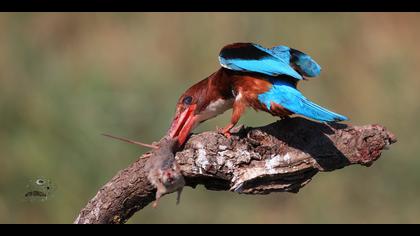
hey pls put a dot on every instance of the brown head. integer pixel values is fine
(204, 100)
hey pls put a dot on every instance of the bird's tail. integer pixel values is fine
(285, 94)
(316, 112)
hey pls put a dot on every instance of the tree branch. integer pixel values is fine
(280, 157)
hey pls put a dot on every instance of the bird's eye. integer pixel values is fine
(187, 100)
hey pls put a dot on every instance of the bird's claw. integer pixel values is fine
(224, 131)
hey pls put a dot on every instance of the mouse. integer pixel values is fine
(164, 173)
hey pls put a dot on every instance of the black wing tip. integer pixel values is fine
(244, 51)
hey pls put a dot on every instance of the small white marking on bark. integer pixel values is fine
(287, 158)
(202, 160)
(220, 160)
(273, 162)
(222, 147)
(243, 157)
(277, 160)
(229, 164)
(227, 153)
(97, 209)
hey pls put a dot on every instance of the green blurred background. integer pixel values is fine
(66, 78)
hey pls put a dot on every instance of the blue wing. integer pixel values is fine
(249, 57)
(285, 94)
(280, 60)
(302, 62)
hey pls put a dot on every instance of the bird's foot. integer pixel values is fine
(225, 131)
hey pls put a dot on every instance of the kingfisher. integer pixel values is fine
(250, 75)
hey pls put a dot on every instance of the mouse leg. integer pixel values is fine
(160, 190)
(178, 197)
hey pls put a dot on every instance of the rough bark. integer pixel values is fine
(280, 157)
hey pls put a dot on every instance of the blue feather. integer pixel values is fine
(268, 65)
(285, 94)
(250, 57)
(305, 63)
(282, 52)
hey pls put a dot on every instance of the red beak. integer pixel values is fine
(183, 123)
